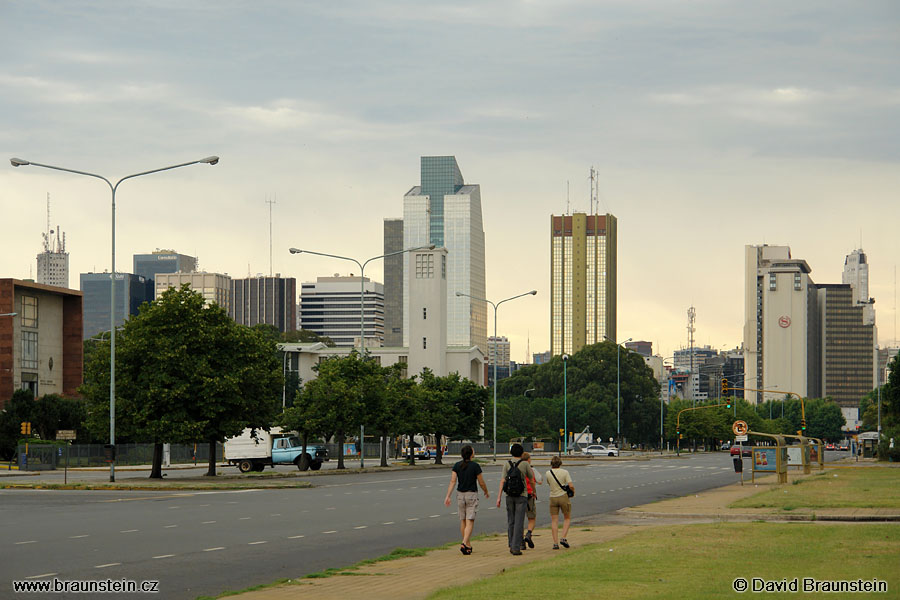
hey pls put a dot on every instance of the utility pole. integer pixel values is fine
(692, 315)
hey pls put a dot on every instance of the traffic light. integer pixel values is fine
(803, 424)
(562, 432)
(728, 405)
(724, 387)
(26, 428)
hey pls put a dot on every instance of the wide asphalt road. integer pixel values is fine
(197, 543)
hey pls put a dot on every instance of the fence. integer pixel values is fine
(42, 457)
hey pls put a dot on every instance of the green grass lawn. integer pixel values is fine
(867, 487)
(702, 561)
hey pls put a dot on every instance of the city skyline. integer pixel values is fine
(711, 127)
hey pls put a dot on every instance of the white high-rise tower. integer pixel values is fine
(856, 273)
(53, 262)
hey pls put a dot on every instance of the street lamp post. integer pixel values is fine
(496, 306)
(565, 358)
(362, 314)
(18, 162)
(618, 394)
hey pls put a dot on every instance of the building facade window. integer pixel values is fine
(403, 362)
(772, 286)
(424, 343)
(29, 311)
(424, 313)
(29, 350)
(424, 266)
(797, 283)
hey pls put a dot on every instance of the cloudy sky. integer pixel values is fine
(712, 125)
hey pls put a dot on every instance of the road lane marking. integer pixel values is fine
(413, 519)
(107, 565)
(433, 516)
(28, 542)
(388, 523)
(245, 518)
(203, 505)
(275, 515)
(330, 508)
(171, 507)
(207, 522)
(294, 537)
(75, 537)
(361, 527)
(255, 543)
(128, 531)
(170, 526)
(164, 556)
(44, 575)
(332, 531)
(214, 549)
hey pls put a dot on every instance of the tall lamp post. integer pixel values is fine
(496, 306)
(362, 314)
(618, 394)
(18, 162)
(565, 359)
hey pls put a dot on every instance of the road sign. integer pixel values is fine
(740, 438)
(740, 427)
(65, 434)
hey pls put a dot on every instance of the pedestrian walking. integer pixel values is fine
(465, 476)
(512, 481)
(560, 481)
(531, 507)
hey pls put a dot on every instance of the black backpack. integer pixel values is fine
(514, 484)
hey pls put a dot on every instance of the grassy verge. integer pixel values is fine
(840, 488)
(702, 561)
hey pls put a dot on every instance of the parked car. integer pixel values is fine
(741, 450)
(600, 450)
(845, 446)
(830, 446)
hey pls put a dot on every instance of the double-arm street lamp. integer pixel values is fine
(618, 393)
(18, 162)
(496, 306)
(362, 312)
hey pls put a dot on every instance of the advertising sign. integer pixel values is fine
(794, 457)
(764, 459)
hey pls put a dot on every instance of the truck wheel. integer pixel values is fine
(315, 465)
(300, 462)
(259, 467)
(245, 466)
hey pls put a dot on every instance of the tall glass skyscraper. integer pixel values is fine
(446, 212)
(582, 280)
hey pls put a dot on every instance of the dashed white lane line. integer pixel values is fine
(203, 505)
(172, 507)
(332, 531)
(75, 537)
(207, 522)
(107, 565)
(214, 549)
(275, 515)
(170, 526)
(128, 531)
(388, 523)
(244, 519)
(255, 543)
(413, 519)
(330, 508)
(361, 527)
(164, 556)
(26, 542)
(43, 575)
(294, 537)
(433, 516)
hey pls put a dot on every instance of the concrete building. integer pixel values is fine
(131, 292)
(269, 300)
(427, 292)
(849, 361)
(330, 307)
(540, 358)
(446, 212)
(393, 283)
(498, 351)
(53, 262)
(214, 287)
(885, 356)
(781, 324)
(162, 261)
(697, 362)
(41, 345)
(643, 348)
(582, 281)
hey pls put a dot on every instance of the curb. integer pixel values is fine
(759, 517)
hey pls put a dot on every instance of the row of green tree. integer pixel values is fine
(47, 415)
(886, 403)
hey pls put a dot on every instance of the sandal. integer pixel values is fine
(466, 550)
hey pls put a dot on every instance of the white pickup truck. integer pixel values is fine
(270, 448)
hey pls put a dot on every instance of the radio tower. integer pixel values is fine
(53, 261)
(692, 317)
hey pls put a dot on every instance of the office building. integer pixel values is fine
(41, 345)
(643, 348)
(446, 212)
(885, 356)
(540, 358)
(856, 275)
(781, 324)
(269, 300)
(848, 346)
(582, 281)
(131, 292)
(697, 362)
(214, 287)
(498, 351)
(162, 261)
(330, 307)
(393, 283)
(53, 262)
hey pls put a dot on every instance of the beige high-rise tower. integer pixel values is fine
(582, 280)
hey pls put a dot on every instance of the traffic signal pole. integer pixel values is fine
(796, 395)
(678, 422)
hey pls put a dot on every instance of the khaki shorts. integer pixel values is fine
(466, 505)
(530, 508)
(560, 503)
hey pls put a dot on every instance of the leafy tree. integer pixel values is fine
(305, 416)
(341, 381)
(306, 336)
(398, 408)
(185, 372)
(53, 412)
(454, 407)
(18, 409)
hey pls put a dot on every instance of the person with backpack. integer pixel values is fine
(531, 506)
(468, 473)
(562, 488)
(512, 481)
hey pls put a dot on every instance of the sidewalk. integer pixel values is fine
(420, 576)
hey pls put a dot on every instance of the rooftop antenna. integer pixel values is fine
(593, 190)
(692, 317)
(46, 234)
(567, 196)
(270, 203)
(528, 349)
